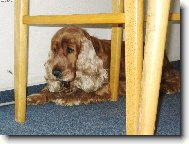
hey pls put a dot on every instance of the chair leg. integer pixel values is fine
(117, 33)
(20, 60)
(156, 28)
(133, 61)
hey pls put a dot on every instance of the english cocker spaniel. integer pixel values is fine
(78, 70)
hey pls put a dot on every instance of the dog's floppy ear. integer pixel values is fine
(90, 74)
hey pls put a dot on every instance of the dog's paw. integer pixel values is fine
(66, 102)
(36, 99)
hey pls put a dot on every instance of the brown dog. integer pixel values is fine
(77, 70)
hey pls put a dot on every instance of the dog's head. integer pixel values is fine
(74, 62)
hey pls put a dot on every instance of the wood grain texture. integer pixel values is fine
(156, 28)
(20, 59)
(117, 34)
(134, 57)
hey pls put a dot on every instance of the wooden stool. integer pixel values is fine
(129, 13)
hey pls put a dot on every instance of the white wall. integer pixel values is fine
(173, 35)
(39, 37)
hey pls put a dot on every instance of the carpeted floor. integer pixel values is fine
(95, 119)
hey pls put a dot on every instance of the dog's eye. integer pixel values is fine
(69, 50)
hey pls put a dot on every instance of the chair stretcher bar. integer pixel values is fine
(76, 19)
(112, 18)
(174, 17)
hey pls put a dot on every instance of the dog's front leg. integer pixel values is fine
(44, 96)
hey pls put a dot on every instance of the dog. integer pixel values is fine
(78, 70)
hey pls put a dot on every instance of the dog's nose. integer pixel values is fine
(56, 73)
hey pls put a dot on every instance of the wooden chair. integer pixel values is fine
(140, 111)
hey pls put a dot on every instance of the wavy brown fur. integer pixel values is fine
(86, 80)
